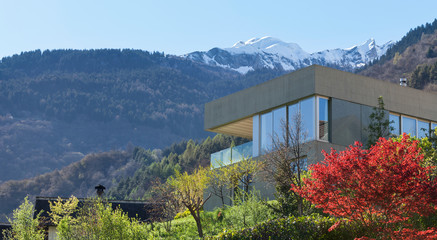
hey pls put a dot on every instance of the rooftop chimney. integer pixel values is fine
(100, 189)
(403, 82)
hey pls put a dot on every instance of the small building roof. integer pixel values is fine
(4, 226)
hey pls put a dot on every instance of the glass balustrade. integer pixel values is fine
(231, 155)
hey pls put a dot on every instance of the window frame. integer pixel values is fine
(417, 129)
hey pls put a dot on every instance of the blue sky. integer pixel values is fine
(178, 27)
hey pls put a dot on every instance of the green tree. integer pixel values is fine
(95, 219)
(189, 190)
(24, 225)
(379, 125)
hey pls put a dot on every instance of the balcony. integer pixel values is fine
(231, 155)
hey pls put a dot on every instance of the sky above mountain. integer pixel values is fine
(179, 27)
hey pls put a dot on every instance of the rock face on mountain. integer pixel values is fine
(268, 52)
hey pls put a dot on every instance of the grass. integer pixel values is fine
(242, 215)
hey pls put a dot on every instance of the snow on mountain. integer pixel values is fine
(269, 52)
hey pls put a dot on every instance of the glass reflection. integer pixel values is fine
(395, 124)
(423, 128)
(266, 131)
(409, 125)
(323, 119)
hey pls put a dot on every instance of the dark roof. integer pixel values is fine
(135, 209)
(4, 226)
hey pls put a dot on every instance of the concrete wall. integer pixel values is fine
(365, 91)
(321, 81)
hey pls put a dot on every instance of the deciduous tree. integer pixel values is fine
(387, 184)
(24, 225)
(189, 190)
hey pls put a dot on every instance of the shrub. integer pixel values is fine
(305, 227)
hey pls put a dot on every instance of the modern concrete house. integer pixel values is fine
(334, 105)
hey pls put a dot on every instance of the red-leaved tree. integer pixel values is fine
(386, 184)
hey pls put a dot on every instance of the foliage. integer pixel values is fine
(248, 210)
(183, 214)
(386, 184)
(242, 173)
(94, 220)
(61, 215)
(423, 75)
(166, 205)
(24, 225)
(78, 178)
(182, 156)
(379, 125)
(213, 222)
(304, 227)
(189, 190)
(412, 37)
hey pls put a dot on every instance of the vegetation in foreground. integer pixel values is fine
(385, 192)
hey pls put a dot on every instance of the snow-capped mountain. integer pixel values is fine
(269, 52)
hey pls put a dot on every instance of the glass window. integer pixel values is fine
(279, 123)
(307, 110)
(423, 128)
(395, 124)
(433, 126)
(293, 111)
(266, 131)
(409, 125)
(255, 136)
(323, 119)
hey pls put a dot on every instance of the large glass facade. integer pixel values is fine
(395, 124)
(423, 128)
(270, 126)
(323, 119)
(409, 125)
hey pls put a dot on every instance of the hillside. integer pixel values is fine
(76, 179)
(415, 49)
(57, 106)
(125, 174)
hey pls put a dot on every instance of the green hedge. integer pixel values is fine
(307, 227)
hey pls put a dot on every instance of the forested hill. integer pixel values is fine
(57, 106)
(125, 174)
(413, 57)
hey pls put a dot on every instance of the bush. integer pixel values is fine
(306, 227)
(248, 210)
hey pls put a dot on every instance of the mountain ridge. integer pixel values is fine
(269, 52)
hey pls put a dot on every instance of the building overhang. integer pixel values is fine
(241, 128)
(230, 113)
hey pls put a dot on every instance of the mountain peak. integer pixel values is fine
(268, 45)
(273, 53)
